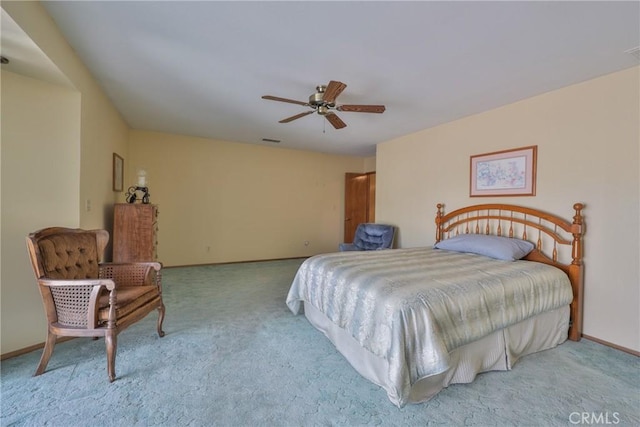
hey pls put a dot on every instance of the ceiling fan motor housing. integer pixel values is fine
(317, 99)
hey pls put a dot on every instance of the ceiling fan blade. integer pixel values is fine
(332, 91)
(291, 101)
(297, 116)
(362, 108)
(335, 121)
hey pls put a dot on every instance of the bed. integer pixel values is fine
(416, 320)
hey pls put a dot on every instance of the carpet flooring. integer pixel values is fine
(234, 355)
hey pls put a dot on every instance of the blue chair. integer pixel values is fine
(371, 237)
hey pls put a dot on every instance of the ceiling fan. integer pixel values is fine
(323, 101)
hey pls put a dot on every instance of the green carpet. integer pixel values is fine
(234, 355)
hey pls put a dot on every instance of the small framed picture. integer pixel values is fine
(504, 173)
(118, 173)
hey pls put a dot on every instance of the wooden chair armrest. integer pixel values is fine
(153, 264)
(76, 301)
(132, 274)
(107, 283)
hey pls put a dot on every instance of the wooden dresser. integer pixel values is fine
(135, 230)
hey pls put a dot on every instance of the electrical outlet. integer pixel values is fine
(208, 248)
(87, 205)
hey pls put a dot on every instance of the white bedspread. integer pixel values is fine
(412, 306)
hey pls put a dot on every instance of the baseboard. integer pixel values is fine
(234, 262)
(608, 344)
(31, 348)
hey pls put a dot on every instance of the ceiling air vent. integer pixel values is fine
(275, 141)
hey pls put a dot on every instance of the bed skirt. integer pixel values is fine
(498, 351)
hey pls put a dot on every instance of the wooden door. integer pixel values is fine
(371, 205)
(359, 196)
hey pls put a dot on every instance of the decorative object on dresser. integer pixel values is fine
(86, 297)
(141, 187)
(135, 232)
(136, 193)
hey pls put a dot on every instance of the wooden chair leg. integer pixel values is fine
(111, 340)
(160, 320)
(46, 352)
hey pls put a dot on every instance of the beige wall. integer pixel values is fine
(103, 131)
(222, 201)
(588, 151)
(370, 164)
(57, 147)
(40, 183)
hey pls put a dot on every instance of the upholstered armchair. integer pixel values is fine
(85, 297)
(371, 237)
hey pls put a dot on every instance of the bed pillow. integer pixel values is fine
(503, 248)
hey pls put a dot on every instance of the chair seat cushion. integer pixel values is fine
(128, 299)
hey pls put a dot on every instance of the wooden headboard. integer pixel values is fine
(558, 241)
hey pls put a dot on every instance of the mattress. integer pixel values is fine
(411, 308)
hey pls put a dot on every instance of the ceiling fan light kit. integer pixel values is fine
(323, 101)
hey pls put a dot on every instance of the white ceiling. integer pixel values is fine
(200, 68)
(26, 58)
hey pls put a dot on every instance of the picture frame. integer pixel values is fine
(504, 173)
(118, 173)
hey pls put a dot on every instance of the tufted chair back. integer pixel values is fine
(67, 253)
(370, 237)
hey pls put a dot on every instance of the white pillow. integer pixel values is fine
(503, 248)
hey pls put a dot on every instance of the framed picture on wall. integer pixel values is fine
(504, 173)
(118, 173)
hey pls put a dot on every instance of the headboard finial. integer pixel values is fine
(440, 207)
(577, 219)
(577, 231)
